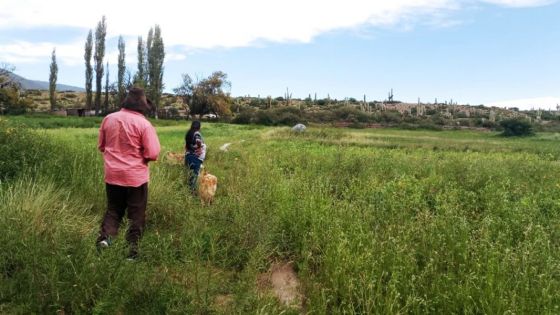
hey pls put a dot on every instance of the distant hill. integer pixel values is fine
(27, 84)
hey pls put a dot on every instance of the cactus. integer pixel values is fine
(288, 97)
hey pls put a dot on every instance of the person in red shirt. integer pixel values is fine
(128, 142)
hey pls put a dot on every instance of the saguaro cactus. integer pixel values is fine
(288, 97)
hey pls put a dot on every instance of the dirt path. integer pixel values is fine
(282, 281)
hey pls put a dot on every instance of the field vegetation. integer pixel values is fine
(374, 221)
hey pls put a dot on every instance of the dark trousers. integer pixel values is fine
(119, 199)
(193, 163)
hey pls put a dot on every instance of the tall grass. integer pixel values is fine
(376, 221)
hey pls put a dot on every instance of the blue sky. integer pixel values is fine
(493, 52)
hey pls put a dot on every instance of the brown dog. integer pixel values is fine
(207, 187)
(175, 158)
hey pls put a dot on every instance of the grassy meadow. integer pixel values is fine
(375, 221)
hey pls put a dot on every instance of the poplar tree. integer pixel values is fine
(52, 80)
(100, 34)
(156, 56)
(140, 76)
(121, 71)
(149, 41)
(89, 69)
(106, 103)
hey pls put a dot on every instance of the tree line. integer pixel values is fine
(202, 95)
(149, 73)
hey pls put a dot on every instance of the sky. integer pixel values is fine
(493, 52)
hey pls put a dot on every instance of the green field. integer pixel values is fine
(375, 221)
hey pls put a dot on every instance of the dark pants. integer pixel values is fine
(193, 163)
(119, 199)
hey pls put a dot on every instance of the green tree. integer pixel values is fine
(209, 95)
(89, 69)
(5, 75)
(121, 71)
(516, 127)
(149, 41)
(140, 76)
(52, 80)
(156, 56)
(100, 34)
(8, 90)
(12, 100)
(106, 102)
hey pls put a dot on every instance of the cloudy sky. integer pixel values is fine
(493, 52)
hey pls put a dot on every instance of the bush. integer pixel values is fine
(287, 116)
(12, 103)
(516, 128)
(289, 119)
(352, 114)
(489, 124)
(243, 118)
(390, 117)
(266, 117)
(321, 116)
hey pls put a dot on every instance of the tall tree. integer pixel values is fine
(106, 103)
(156, 55)
(100, 34)
(6, 79)
(52, 80)
(140, 76)
(149, 41)
(209, 95)
(11, 99)
(121, 71)
(89, 70)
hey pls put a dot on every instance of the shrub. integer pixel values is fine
(516, 128)
(265, 117)
(389, 117)
(289, 119)
(12, 103)
(243, 118)
(352, 114)
(321, 102)
(489, 124)
(321, 116)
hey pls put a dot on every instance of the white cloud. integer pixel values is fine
(71, 54)
(27, 52)
(520, 3)
(548, 102)
(189, 25)
(227, 23)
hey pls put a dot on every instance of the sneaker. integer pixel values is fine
(133, 253)
(132, 256)
(104, 243)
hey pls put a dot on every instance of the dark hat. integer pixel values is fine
(136, 100)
